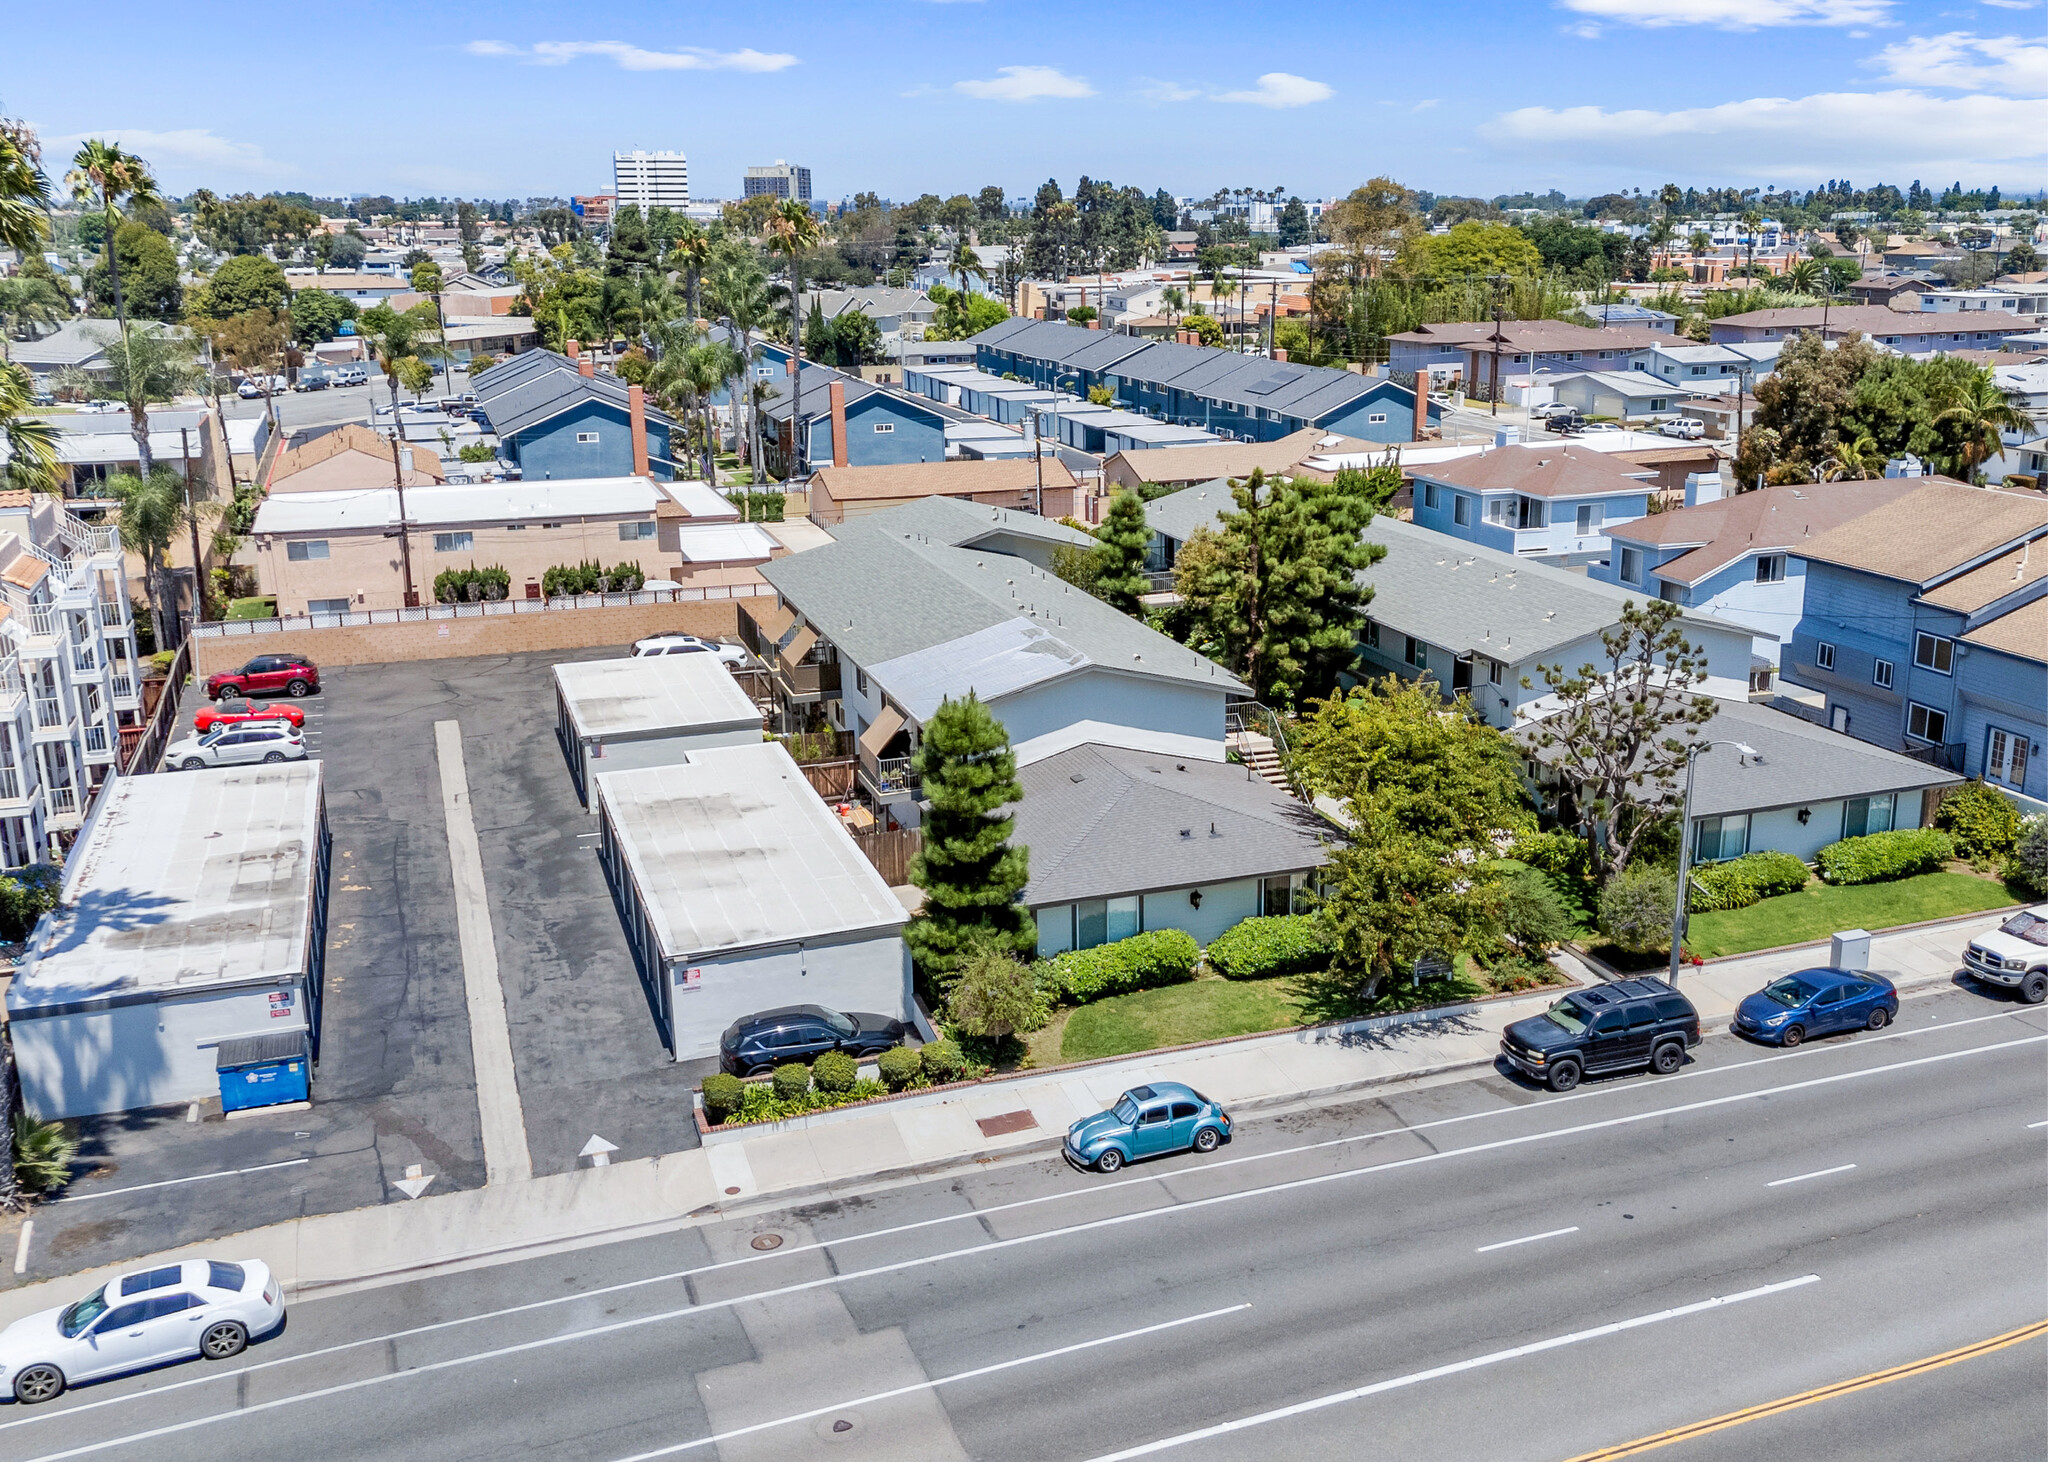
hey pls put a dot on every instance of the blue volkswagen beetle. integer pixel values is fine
(1146, 1122)
(1817, 1003)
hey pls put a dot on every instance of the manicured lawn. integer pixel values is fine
(1174, 1015)
(257, 608)
(1819, 910)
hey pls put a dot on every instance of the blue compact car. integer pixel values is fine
(1817, 1003)
(1146, 1122)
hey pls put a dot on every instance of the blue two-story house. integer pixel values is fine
(555, 422)
(1538, 500)
(1926, 628)
(882, 428)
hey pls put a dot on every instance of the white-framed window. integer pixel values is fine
(2005, 756)
(1716, 839)
(1632, 566)
(1429, 494)
(636, 532)
(1924, 723)
(1862, 816)
(1377, 418)
(1823, 655)
(1461, 510)
(1418, 653)
(1932, 652)
(585, 438)
(883, 428)
(1495, 672)
(454, 542)
(1770, 568)
(327, 606)
(305, 551)
(1881, 674)
(1501, 512)
(1590, 517)
(860, 680)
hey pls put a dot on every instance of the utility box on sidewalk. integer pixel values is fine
(263, 1071)
(1850, 950)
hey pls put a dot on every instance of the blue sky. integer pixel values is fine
(908, 96)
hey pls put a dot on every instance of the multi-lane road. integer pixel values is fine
(1836, 1252)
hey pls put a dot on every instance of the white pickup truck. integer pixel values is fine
(2015, 954)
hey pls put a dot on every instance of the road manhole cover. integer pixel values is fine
(768, 1241)
(731, 1192)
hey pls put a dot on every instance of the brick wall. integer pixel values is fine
(443, 639)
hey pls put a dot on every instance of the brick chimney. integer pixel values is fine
(636, 407)
(1280, 355)
(1095, 324)
(1421, 406)
(587, 366)
(575, 349)
(837, 392)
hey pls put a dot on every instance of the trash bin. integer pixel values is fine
(1850, 950)
(263, 1071)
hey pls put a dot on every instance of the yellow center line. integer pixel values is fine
(1822, 1393)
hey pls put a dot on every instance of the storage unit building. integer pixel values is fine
(613, 715)
(741, 892)
(194, 913)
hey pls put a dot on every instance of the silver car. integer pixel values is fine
(238, 743)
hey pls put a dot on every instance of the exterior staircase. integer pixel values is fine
(1258, 752)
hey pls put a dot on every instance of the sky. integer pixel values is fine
(903, 97)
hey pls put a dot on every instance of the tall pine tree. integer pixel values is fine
(970, 874)
(1122, 543)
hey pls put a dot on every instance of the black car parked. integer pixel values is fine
(1619, 1027)
(760, 1043)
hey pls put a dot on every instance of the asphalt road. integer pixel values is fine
(1469, 1270)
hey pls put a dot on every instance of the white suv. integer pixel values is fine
(2015, 954)
(688, 645)
(237, 743)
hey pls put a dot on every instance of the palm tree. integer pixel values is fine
(741, 289)
(1977, 415)
(1752, 222)
(153, 509)
(28, 300)
(692, 251)
(1173, 301)
(967, 264)
(1803, 277)
(101, 172)
(155, 366)
(31, 440)
(24, 191)
(793, 232)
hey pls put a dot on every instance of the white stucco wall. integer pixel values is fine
(871, 973)
(612, 754)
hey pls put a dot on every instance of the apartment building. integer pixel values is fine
(68, 673)
(778, 180)
(647, 180)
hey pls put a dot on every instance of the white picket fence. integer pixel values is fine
(713, 593)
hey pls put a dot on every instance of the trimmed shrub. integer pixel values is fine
(1982, 820)
(591, 577)
(942, 1061)
(792, 1080)
(2028, 866)
(472, 585)
(1285, 944)
(835, 1071)
(1740, 882)
(1881, 857)
(1533, 912)
(723, 1096)
(25, 896)
(900, 1067)
(1142, 962)
(1637, 905)
(1560, 854)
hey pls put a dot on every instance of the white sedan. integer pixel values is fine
(238, 743)
(200, 1307)
(689, 645)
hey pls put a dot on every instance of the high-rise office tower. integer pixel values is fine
(779, 181)
(647, 180)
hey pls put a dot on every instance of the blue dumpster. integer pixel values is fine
(262, 1071)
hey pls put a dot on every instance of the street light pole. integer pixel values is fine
(1678, 907)
(412, 598)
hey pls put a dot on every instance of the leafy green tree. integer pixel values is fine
(563, 298)
(148, 273)
(349, 250)
(1122, 542)
(245, 282)
(1637, 907)
(426, 277)
(396, 335)
(31, 440)
(995, 996)
(970, 873)
(1624, 727)
(414, 374)
(1295, 229)
(2022, 258)
(247, 225)
(1208, 329)
(317, 315)
(1800, 408)
(958, 316)
(1471, 249)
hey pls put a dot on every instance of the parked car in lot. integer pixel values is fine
(1552, 408)
(237, 744)
(1684, 428)
(1565, 422)
(2014, 955)
(1600, 428)
(1818, 1002)
(689, 645)
(1147, 1121)
(255, 388)
(233, 710)
(295, 675)
(200, 1307)
(99, 408)
(759, 1043)
(1622, 1026)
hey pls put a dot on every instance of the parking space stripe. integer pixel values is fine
(177, 1182)
(1802, 1177)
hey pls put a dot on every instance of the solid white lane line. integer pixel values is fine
(676, 1275)
(1008, 1365)
(2032, 1125)
(1824, 1172)
(176, 1182)
(1511, 1243)
(1302, 1408)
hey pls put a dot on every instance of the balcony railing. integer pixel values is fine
(121, 686)
(49, 713)
(63, 798)
(42, 620)
(11, 684)
(808, 678)
(96, 738)
(10, 784)
(888, 777)
(84, 659)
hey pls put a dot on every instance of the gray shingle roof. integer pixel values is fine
(1179, 514)
(547, 394)
(817, 397)
(1103, 821)
(75, 343)
(958, 524)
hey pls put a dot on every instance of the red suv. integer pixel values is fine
(292, 674)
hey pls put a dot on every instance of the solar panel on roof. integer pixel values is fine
(1269, 384)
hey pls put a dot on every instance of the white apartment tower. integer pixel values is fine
(647, 180)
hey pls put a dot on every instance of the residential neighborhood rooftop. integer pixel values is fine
(484, 502)
(1782, 518)
(1939, 527)
(652, 693)
(1539, 470)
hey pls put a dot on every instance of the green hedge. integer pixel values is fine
(942, 1061)
(591, 577)
(1983, 821)
(792, 1079)
(1285, 944)
(1740, 882)
(723, 1096)
(472, 585)
(1881, 857)
(1158, 957)
(835, 1071)
(900, 1067)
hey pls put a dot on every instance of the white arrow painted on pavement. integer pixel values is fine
(598, 1151)
(413, 1187)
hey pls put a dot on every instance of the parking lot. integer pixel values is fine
(394, 1092)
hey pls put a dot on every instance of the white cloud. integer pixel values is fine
(1025, 84)
(1169, 91)
(1969, 63)
(637, 58)
(1423, 106)
(188, 147)
(1819, 134)
(2011, 4)
(1728, 14)
(1279, 89)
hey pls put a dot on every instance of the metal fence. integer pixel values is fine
(145, 753)
(710, 594)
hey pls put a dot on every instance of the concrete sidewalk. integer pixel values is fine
(928, 1134)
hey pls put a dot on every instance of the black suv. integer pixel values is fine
(760, 1043)
(1617, 1027)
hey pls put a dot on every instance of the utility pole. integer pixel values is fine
(192, 522)
(412, 598)
(1038, 457)
(1499, 305)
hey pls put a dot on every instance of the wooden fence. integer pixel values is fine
(832, 780)
(890, 850)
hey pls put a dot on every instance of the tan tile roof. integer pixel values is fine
(1776, 518)
(2024, 632)
(2006, 574)
(1931, 531)
(27, 571)
(1539, 471)
(16, 497)
(941, 479)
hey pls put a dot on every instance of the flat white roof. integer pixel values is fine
(702, 501)
(732, 850)
(547, 499)
(639, 697)
(181, 882)
(723, 542)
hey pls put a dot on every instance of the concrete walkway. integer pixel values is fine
(923, 1135)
